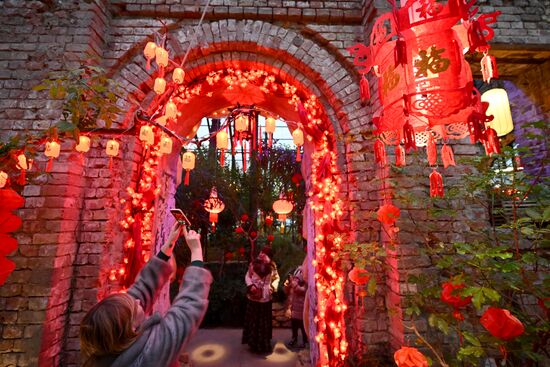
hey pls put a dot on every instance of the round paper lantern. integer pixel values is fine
(282, 207)
(501, 324)
(270, 124)
(298, 138)
(10, 200)
(8, 244)
(83, 145)
(410, 357)
(449, 296)
(9, 222)
(6, 268)
(171, 110)
(3, 179)
(160, 85)
(359, 276)
(161, 56)
(241, 123)
(388, 214)
(165, 145)
(178, 75)
(499, 107)
(149, 52)
(222, 143)
(146, 135)
(52, 149)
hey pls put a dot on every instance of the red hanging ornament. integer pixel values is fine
(436, 184)
(269, 221)
(400, 155)
(364, 89)
(447, 156)
(380, 153)
(431, 150)
(449, 296)
(410, 357)
(9, 222)
(492, 144)
(6, 268)
(186, 180)
(359, 276)
(270, 238)
(239, 230)
(409, 137)
(8, 244)
(10, 199)
(388, 214)
(489, 68)
(501, 324)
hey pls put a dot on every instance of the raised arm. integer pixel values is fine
(155, 273)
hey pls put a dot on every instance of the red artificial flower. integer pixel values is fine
(450, 297)
(410, 357)
(359, 276)
(270, 238)
(244, 217)
(388, 214)
(239, 230)
(297, 178)
(253, 234)
(501, 324)
(268, 220)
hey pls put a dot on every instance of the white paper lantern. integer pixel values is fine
(178, 75)
(499, 107)
(160, 85)
(165, 145)
(83, 145)
(146, 135)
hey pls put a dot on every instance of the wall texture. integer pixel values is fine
(70, 235)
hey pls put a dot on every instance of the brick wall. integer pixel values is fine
(70, 235)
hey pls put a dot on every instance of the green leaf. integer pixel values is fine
(491, 294)
(546, 214)
(471, 339)
(65, 126)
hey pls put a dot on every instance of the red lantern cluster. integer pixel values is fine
(425, 85)
(9, 222)
(501, 324)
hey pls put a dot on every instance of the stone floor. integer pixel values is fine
(222, 347)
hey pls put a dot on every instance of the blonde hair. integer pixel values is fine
(107, 328)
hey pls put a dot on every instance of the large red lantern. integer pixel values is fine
(8, 244)
(501, 324)
(6, 267)
(449, 296)
(388, 214)
(10, 199)
(410, 357)
(425, 84)
(359, 276)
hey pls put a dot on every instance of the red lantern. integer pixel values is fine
(268, 220)
(388, 214)
(10, 199)
(410, 357)
(253, 235)
(449, 296)
(6, 268)
(244, 218)
(270, 238)
(359, 276)
(239, 230)
(501, 324)
(9, 222)
(8, 244)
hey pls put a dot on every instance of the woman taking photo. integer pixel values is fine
(116, 333)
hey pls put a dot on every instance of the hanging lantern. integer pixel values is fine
(149, 53)
(83, 145)
(146, 135)
(214, 206)
(449, 296)
(270, 123)
(380, 153)
(161, 120)
(388, 214)
(282, 207)
(359, 276)
(410, 357)
(400, 156)
(160, 85)
(171, 110)
(222, 143)
(3, 179)
(6, 268)
(161, 57)
(10, 200)
(112, 151)
(178, 75)
(501, 324)
(298, 138)
(241, 123)
(52, 151)
(165, 145)
(187, 163)
(499, 107)
(447, 156)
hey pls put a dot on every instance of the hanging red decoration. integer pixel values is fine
(492, 144)
(501, 324)
(436, 184)
(269, 221)
(450, 297)
(6, 268)
(489, 68)
(8, 244)
(410, 357)
(400, 156)
(364, 89)
(388, 214)
(380, 153)
(425, 84)
(10, 199)
(447, 156)
(270, 238)
(359, 276)
(431, 150)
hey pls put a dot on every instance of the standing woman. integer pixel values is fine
(261, 280)
(116, 333)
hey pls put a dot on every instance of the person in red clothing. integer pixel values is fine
(116, 332)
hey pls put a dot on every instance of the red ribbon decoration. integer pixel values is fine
(380, 153)
(436, 184)
(447, 156)
(364, 89)
(408, 137)
(186, 181)
(431, 150)
(492, 144)
(489, 68)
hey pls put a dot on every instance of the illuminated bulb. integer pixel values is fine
(161, 56)
(171, 110)
(160, 85)
(146, 135)
(178, 75)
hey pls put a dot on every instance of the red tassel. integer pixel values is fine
(22, 180)
(261, 140)
(436, 184)
(489, 68)
(298, 156)
(400, 160)
(186, 181)
(431, 150)
(447, 156)
(49, 165)
(492, 144)
(111, 163)
(270, 141)
(380, 153)
(408, 137)
(244, 156)
(161, 71)
(364, 89)
(222, 157)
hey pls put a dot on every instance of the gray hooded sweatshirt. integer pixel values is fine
(162, 338)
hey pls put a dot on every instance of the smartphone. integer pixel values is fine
(180, 217)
